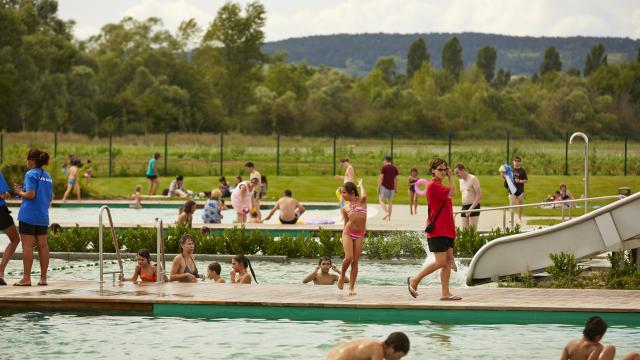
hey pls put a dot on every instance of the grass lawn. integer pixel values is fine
(322, 188)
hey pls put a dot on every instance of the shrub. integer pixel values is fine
(623, 273)
(377, 247)
(564, 271)
(330, 242)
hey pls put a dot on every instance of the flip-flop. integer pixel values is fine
(412, 291)
(451, 298)
(2, 282)
(42, 284)
(18, 284)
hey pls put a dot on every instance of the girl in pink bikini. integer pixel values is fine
(355, 227)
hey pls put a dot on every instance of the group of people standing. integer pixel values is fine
(33, 219)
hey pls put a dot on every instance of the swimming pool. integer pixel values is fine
(81, 336)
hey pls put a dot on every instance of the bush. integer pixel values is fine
(623, 273)
(377, 247)
(564, 271)
(330, 242)
(469, 241)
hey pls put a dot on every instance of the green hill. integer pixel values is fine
(520, 54)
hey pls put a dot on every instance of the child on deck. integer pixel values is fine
(137, 200)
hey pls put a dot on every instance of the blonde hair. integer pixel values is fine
(216, 194)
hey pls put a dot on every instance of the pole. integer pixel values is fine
(278, 155)
(55, 144)
(2, 147)
(391, 147)
(626, 140)
(566, 154)
(110, 154)
(221, 148)
(334, 155)
(166, 151)
(508, 150)
(449, 149)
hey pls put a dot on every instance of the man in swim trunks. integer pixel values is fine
(321, 276)
(387, 185)
(254, 174)
(471, 195)
(394, 347)
(290, 209)
(589, 346)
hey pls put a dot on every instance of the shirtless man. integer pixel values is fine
(290, 209)
(349, 172)
(589, 347)
(321, 276)
(394, 347)
(471, 195)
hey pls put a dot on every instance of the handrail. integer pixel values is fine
(509, 207)
(160, 261)
(115, 245)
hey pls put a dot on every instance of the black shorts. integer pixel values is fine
(473, 214)
(152, 177)
(440, 244)
(289, 222)
(29, 229)
(5, 217)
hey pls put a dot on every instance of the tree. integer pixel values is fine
(486, 62)
(551, 61)
(235, 41)
(595, 59)
(417, 55)
(452, 57)
(387, 66)
(638, 57)
(502, 79)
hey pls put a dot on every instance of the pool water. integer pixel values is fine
(169, 215)
(68, 336)
(370, 273)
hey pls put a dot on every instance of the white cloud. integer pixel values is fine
(171, 12)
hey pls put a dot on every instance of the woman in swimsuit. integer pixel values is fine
(72, 181)
(355, 226)
(239, 274)
(241, 199)
(144, 269)
(186, 214)
(413, 196)
(184, 267)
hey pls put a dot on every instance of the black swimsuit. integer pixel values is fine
(187, 270)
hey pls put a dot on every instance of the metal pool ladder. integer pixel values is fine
(161, 265)
(116, 245)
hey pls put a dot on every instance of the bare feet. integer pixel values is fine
(352, 292)
(341, 282)
(451, 297)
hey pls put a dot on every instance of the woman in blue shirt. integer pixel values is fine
(152, 174)
(8, 227)
(33, 218)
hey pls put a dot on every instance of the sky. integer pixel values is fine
(295, 18)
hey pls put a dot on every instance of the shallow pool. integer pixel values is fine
(169, 215)
(67, 336)
(370, 273)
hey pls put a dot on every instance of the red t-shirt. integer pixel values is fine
(438, 194)
(389, 173)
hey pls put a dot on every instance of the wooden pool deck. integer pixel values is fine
(204, 299)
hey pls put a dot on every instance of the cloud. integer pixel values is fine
(171, 12)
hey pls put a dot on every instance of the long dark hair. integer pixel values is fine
(145, 254)
(246, 263)
(188, 205)
(40, 157)
(351, 189)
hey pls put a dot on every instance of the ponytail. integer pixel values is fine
(247, 264)
(351, 188)
(40, 157)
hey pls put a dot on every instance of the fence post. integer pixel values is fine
(55, 144)
(110, 154)
(166, 151)
(449, 149)
(391, 147)
(221, 150)
(334, 155)
(508, 150)
(566, 153)
(626, 140)
(278, 154)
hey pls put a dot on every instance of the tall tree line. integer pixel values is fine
(137, 77)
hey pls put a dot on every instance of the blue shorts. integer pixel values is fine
(385, 193)
(71, 182)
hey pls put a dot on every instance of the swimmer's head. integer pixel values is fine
(396, 346)
(325, 264)
(187, 244)
(143, 257)
(214, 268)
(239, 263)
(594, 328)
(189, 207)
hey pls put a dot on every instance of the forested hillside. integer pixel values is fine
(519, 54)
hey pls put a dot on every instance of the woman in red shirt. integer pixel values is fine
(443, 234)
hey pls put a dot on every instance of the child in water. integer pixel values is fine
(137, 200)
(213, 273)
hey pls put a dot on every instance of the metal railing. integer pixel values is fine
(116, 245)
(160, 260)
(512, 207)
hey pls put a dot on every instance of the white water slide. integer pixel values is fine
(610, 228)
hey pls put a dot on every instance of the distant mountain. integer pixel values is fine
(520, 54)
